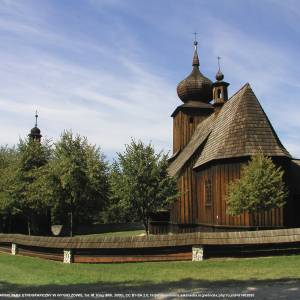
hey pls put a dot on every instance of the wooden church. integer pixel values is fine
(213, 138)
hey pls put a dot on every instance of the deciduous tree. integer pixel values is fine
(78, 180)
(260, 188)
(140, 181)
(23, 173)
(8, 167)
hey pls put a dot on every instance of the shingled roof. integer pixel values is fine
(240, 129)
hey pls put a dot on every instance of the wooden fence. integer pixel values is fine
(188, 246)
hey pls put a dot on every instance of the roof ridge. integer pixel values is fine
(269, 122)
(271, 126)
(247, 84)
(216, 115)
(240, 128)
(233, 109)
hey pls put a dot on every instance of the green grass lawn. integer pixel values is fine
(117, 233)
(27, 271)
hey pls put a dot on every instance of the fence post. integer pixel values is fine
(14, 249)
(68, 256)
(197, 253)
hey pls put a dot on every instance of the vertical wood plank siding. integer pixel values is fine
(183, 129)
(221, 174)
(191, 207)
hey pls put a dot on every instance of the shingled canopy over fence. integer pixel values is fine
(145, 248)
(187, 239)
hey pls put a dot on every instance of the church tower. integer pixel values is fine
(35, 132)
(195, 91)
(220, 91)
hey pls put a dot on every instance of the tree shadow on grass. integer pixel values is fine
(286, 288)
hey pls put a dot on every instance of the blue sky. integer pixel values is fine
(108, 69)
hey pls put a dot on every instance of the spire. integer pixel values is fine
(219, 75)
(35, 132)
(220, 91)
(196, 58)
(36, 117)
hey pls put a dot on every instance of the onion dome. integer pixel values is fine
(219, 76)
(35, 132)
(196, 87)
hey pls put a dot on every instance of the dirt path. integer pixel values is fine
(185, 289)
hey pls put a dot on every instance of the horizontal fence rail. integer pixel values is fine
(151, 248)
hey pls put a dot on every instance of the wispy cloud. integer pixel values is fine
(108, 105)
(99, 74)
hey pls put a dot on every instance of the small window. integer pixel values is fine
(219, 93)
(208, 192)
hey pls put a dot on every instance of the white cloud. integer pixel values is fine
(106, 107)
(104, 87)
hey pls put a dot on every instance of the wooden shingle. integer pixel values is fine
(241, 128)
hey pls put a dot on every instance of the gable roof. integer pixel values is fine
(241, 128)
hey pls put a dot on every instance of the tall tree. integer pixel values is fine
(8, 167)
(78, 180)
(260, 188)
(141, 182)
(32, 157)
(116, 210)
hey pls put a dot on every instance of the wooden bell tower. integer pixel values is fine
(196, 93)
(220, 89)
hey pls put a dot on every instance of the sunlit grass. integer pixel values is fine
(23, 270)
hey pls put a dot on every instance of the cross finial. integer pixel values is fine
(195, 41)
(36, 117)
(195, 33)
(219, 62)
(219, 75)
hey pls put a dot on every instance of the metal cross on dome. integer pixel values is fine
(195, 33)
(195, 41)
(219, 61)
(36, 117)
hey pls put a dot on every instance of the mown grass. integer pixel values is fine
(27, 271)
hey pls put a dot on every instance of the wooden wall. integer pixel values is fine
(132, 255)
(191, 207)
(221, 174)
(185, 209)
(183, 128)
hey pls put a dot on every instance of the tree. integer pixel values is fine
(140, 181)
(116, 210)
(77, 180)
(8, 167)
(260, 188)
(33, 158)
